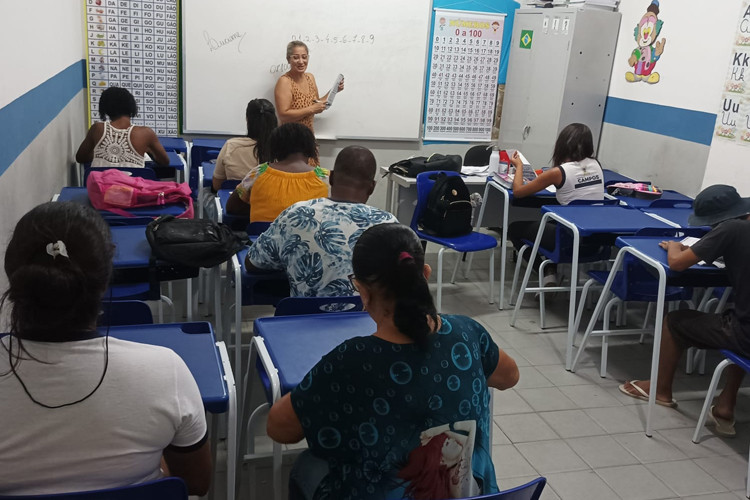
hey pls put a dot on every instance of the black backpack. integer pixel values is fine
(411, 167)
(448, 210)
(192, 242)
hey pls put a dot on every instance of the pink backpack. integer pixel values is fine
(116, 191)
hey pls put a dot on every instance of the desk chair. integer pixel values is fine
(562, 253)
(236, 222)
(251, 288)
(125, 312)
(472, 242)
(291, 306)
(169, 488)
(635, 283)
(202, 150)
(529, 491)
(478, 156)
(730, 358)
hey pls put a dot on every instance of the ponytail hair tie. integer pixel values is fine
(404, 256)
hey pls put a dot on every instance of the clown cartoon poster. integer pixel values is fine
(649, 47)
(733, 117)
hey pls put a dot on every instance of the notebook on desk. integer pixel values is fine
(504, 175)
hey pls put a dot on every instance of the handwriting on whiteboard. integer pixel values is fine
(359, 38)
(214, 44)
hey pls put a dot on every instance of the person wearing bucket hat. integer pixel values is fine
(722, 208)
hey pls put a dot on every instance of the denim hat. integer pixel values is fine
(716, 204)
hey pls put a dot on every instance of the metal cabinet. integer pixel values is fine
(558, 73)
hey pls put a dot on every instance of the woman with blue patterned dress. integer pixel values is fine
(406, 411)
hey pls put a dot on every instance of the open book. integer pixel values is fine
(506, 172)
(691, 240)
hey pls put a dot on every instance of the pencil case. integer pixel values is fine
(635, 189)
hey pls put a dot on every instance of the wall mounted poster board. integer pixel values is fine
(733, 119)
(133, 44)
(234, 51)
(466, 52)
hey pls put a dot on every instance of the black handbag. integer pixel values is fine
(411, 167)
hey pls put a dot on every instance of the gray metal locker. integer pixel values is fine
(558, 73)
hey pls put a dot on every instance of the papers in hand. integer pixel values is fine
(334, 90)
(505, 171)
(691, 240)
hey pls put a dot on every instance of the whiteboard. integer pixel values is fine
(235, 51)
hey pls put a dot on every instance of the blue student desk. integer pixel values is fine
(634, 202)
(176, 144)
(208, 362)
(132, 259)
(584, 220)
(287, 348)
(677, 216)
(176, 162)
(647, 250)
(80, 195)
(611, 176)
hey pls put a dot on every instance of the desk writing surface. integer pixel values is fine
(676, 215)
(605, 219)
(195, 343)
(174, 161)
(80, 195)
(297, 343)
(649, 246)
(632, 201)
(131, 247)
(612, 176)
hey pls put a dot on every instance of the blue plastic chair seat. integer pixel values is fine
(468, 243)
(168, 488)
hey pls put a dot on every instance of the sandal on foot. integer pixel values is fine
(642, 395)
(722, 426)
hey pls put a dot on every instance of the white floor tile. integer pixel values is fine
(601, 451)
(548, 457)
(635, 482)
(572, 423)
(580, 485)
(684, 477)
(524, 427)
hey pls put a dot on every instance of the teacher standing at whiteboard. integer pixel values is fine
(296, 93)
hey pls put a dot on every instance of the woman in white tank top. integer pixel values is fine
(576, 175)
(118, 143)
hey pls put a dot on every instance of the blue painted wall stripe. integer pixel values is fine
(23, 119)
(685, 124)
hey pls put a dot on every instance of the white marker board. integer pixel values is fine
(235, 51)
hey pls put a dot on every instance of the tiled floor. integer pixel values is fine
(577, 429)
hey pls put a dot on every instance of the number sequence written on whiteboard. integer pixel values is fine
(464, 66)
(366, 39)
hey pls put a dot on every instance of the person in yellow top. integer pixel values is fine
(272, 187)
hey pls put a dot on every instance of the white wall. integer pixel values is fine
(692, 70)
(40, 40)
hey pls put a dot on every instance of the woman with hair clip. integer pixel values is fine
(404, 412)
(240, 155)
(80, 410)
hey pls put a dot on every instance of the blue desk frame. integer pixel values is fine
(582, 220)
(647, 250)
(208, 362)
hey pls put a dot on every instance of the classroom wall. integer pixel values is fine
(662, 132)
(42, 104)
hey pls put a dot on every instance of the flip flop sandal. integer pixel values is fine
(722, 426)
(643, 395)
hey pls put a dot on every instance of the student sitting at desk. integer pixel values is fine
(240, 155)
(404, 412)
(313, 240)
(575, 176)
(272, 187)
(80, 410)
(118, 143)
(722, 208)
